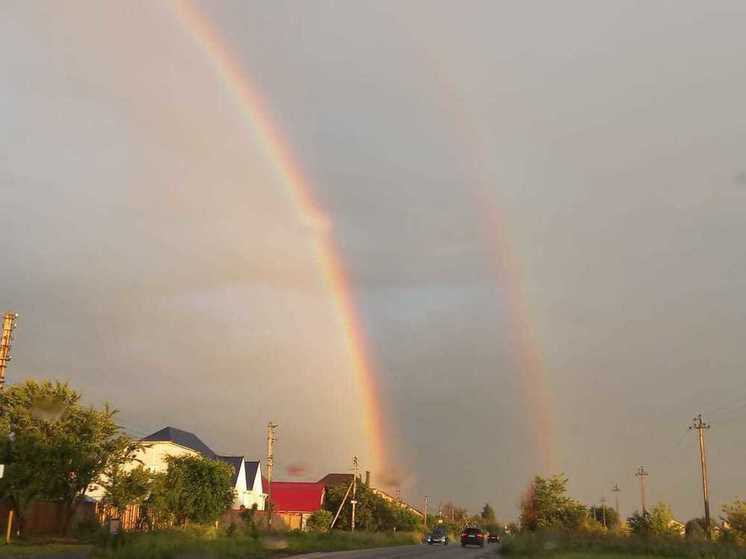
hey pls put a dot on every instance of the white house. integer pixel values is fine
(247, 480)
(171, 441)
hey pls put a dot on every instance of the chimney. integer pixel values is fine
(367, 478)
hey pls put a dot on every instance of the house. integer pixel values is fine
(296, 501)
(170, 441)
(247, 480)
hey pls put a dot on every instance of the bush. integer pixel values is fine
(320, 521)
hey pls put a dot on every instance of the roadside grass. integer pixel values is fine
(574, 546)
(43, 550)
(211, 543)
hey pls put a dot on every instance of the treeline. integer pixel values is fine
(551, 519)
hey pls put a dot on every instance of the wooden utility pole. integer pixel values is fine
(355, 466)
(642, 474)
(616, 491)
(603, 510)
(700, 426)
(271, 439)
(425, 513)
(9, 324)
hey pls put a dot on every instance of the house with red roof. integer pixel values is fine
(296, 501)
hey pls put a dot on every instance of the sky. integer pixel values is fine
(541, 207)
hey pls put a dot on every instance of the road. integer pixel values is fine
(453, 551)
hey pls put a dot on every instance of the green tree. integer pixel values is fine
(488, 514)
(126, 487)
(598, 513)
(735, 520)
(694, 530)
(546, 505)
(373, 513)
(193, 489)
(320, 521)
(658, 522)
(57, 447)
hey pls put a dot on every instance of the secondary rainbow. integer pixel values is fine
(257, 115)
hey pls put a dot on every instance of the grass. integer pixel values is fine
(208, 543)
(37, 550)
(566, 546)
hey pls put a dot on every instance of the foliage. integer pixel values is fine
(546, 505)
(124, 488)
(658, 522)
(207, 542)
(193, 489)
(694, 530)
(57, 446)
(373, 513)
(735, 517)
(612, 545)
(599, 514)
(320, 521)
(488, 514)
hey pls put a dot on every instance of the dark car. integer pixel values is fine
(472, 536)
(437, 536)
(493, 538)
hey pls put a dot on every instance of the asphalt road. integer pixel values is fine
(452, 551)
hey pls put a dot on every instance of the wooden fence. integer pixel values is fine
(45, 518)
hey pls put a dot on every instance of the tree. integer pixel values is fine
(658, 522)
(694, 530)
(546, 505)
(320, 521)
(735, 520)
(193, 489)
(373, 513)
(57, 446)
(488, 514)
(126, 487)
(599, 513)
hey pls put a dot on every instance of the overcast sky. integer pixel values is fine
(156, 260)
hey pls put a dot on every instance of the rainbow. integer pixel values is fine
(257, 115)
(527, 351)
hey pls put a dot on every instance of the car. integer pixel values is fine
(493, 538)
(438, 536)
(472, 536)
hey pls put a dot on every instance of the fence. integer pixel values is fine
(44, 518)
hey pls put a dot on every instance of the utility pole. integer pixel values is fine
(616, 491)
(271, 439)
(425, 513)
(700, 426)
(603, 510)
(355, 466)
(9, 324)
(642, 474)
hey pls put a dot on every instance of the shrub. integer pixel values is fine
(320, 521)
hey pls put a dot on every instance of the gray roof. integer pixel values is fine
(181, 438)
(235, 463)
(251, 468)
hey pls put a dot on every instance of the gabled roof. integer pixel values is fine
(333, 480)
(235, 462)
(250, 468)
(297, 496)
(181, 438)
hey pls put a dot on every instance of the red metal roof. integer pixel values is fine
(297, 496)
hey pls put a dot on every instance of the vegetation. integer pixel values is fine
(193, 489)
(546, 506)
(56, 447)
(214, 543)
(126, 487)
(373, 512)
(320, 521)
